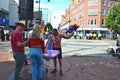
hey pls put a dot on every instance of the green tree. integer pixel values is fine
(48, 26)
(112, 20)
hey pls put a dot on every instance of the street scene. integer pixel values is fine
(82, 60)
(59, 40)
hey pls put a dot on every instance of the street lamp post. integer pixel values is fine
(39, 11)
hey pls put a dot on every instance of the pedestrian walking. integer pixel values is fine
(118, 41)
(36, 45)
(56, 39)
(87, 35)
(99, 36)
(80, 35)
(17, 44)
(2, 35)
(75, 35)
(94, 36)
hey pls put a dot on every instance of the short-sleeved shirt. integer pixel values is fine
(16, 36)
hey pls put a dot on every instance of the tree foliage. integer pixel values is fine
(112, 20)
(49, 27)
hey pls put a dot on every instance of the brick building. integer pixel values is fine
(88, 14)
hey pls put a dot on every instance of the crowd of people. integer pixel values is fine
(4, 35)
(89, 36)
(37, 48)
(93, 36)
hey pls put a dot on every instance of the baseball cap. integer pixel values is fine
(21, 23)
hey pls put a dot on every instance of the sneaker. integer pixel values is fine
(21, 77)
(54, 71)
(113, 55)
(61, 73)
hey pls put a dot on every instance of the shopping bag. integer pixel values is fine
(27, 52)
(51, 54)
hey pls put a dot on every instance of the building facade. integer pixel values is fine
(43, 14)
(88, 14)
(4, 13)
(13, 12)
(8, 13)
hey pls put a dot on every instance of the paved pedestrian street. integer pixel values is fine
(83, 68)
(82, 60)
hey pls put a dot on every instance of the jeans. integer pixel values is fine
(19, 59)
(36, 62)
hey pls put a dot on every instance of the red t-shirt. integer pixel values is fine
(36, 42)
(16, 36)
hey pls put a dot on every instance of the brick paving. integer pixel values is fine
(83, 68)
(6, 64)
(74, 68)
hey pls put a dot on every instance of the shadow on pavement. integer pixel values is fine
(99, 55)
(6, 68)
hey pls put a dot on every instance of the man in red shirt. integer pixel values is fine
(17, 44)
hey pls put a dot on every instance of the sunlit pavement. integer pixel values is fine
(82, 60)
(86, 47)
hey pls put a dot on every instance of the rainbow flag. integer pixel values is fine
(42, 27)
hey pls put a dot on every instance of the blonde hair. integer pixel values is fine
(36, 32)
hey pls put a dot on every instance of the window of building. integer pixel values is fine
(75, 18)
(108, 3)
(4, 15)
(92, 11)
(82, 5)
(112, 3)
(81, 14)
(82, 22)
(95, 21)
(92, 21)
(102, 21)
(106, 12)
(93, 3)
(89, 22)
(104, 2)
(103, 11)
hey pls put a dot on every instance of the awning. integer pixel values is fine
(101, 29)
